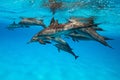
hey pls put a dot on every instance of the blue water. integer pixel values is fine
(21, 61)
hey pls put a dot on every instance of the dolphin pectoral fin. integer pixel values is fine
(58, 50)
(98, 29)
(76, 57)
(48, 42)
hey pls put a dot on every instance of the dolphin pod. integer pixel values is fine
(76, 29)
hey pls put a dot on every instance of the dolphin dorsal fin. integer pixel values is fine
(52, 20)
(58, 50)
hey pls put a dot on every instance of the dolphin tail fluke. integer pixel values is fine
(105, 43)
(76, 57)
(110, 46)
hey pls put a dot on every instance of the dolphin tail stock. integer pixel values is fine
(74, 54)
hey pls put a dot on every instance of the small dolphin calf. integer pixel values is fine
(66, 49)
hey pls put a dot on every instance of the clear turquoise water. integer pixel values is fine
(20, 61)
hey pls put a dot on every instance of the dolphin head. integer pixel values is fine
(34, 39)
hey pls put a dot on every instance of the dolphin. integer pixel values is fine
(54, 23)
(13, 26)
(35, 38)
(31, 22)
(94, 35)
(77, 37)
(90, 31)
(66, 49)
(59, 40)
(57, 29)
